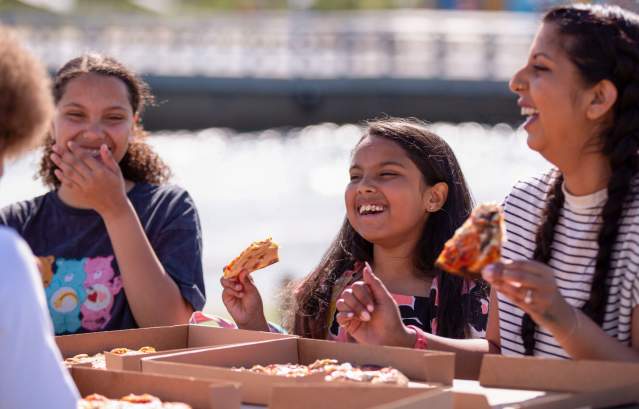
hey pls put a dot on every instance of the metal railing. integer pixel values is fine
(400, 44)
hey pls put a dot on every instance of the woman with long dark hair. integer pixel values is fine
(569, 283)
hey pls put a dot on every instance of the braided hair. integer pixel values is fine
(603, 43)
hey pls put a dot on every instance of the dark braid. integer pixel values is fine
(603, 44)
(543, 251)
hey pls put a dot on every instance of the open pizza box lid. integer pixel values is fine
(350, 396)
(548, 383)
(163, 339)
(421, 366)
(200, 394)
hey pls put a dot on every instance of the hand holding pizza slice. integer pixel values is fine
(258, 255)
(475, 244)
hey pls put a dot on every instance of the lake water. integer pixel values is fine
(289, 184)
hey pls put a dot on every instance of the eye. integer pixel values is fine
(355, 178)
(74, 114)
(387, 174)
(115, 118)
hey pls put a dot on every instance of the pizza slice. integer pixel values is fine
(96, 401)
(258, 255)
(476, 243)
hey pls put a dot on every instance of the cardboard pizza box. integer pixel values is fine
(548, 383)
(200, 394)
(163, 339)
(348, 396)
(417, 365)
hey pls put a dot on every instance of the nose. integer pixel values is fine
(93, 130)
(518, 82)
(366, 185)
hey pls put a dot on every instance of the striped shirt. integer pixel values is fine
(574, 253)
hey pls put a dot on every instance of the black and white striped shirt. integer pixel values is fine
(574, 252)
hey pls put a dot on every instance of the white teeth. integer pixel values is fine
(527, 111)
(370, 208)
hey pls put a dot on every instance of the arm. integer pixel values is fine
(32, 374)
(574, 331)
(469, 352)
(148, 287)
(383, 325)
(579, 336)
(152, 294)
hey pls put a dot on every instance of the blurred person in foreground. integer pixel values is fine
(32, 375)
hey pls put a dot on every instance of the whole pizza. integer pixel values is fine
(334, 371)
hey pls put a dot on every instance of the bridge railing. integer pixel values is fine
(405, 44)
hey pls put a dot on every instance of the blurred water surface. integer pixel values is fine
(289, 184)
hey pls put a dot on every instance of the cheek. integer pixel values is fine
(349, 198)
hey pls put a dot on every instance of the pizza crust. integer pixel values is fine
(258, 255)
(99, 362)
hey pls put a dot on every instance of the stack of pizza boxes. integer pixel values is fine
(199, 365)
(218, 368)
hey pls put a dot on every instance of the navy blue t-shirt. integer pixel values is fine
(79, 270)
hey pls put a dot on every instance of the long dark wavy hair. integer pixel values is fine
(310, 299)
(603, 43)
(140, 163)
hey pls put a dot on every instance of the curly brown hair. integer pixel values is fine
(140, 162)
(25, 101)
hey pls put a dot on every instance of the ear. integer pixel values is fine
(436, 197)
(604, 96)
(134, 127)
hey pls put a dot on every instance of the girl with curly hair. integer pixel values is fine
(569, 283)
(118, 247)
(32, 375)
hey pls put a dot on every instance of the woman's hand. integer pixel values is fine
(367, 311)
(98, 181)
(531, 286)
(243, 302)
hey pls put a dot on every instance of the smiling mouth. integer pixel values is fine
(370, 209)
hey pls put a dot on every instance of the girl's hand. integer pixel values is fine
(243, 302)
(530, 285)
(370, 315)
(97, 181)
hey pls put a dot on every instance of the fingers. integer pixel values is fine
(68, 183)
(352, 305)
(67, 163)
(107, 158)
(246, 280)
(521, 273)
(85, 158)
(232, 287)
(350, 324)
(378, 289)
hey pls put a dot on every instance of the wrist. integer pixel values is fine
(116, 210)
(421, 342)
(257, 324)
(406, 337)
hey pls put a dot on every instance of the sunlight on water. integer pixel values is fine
(289, 185)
